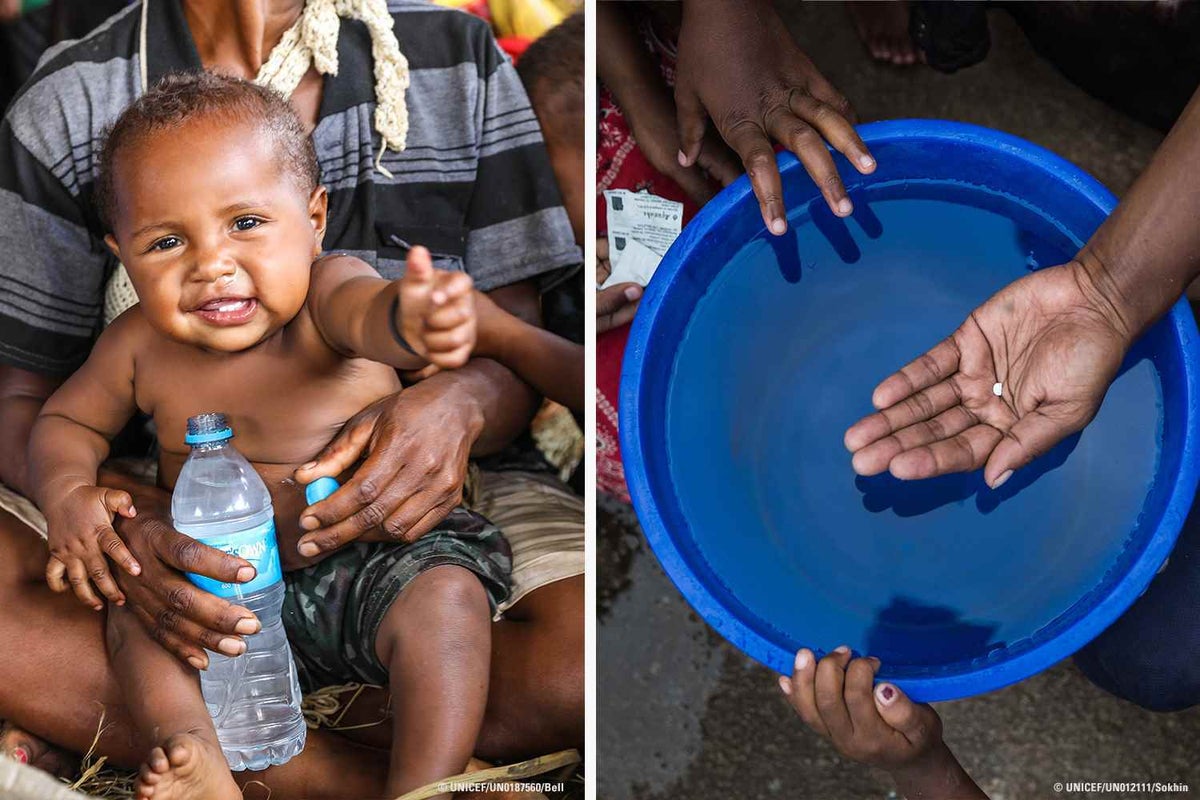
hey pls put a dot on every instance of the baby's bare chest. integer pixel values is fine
(283, 410)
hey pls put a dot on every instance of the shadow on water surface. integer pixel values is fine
(908, 632)
(833, 229)
(787, 256)
(884, 492)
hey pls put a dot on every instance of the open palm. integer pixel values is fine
(1047, 343)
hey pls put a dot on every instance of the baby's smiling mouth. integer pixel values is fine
(227, 310)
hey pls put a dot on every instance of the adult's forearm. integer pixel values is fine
(500, 403)
(22, 395)
(1145, 255)
(624, 65)
(505, 404)
(551, 364)
(17, 415)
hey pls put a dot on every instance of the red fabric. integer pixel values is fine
(621, 165)
(515, 46)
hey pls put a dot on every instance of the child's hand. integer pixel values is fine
(437, 311)
(875, 725)
(81, 534)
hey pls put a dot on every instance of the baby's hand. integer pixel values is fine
(875, 725)
(437, 311)
(81, 534)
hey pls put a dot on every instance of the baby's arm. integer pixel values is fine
(548, 363)
(877, 725)
(68, 443)
(428, 316)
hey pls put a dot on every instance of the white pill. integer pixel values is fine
(998, 388)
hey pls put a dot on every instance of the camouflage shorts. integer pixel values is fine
(333, 609)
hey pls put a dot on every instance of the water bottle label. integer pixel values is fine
(257, 545)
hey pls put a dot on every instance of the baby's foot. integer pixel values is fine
(883, 28)
(186, 767)
(26, 748)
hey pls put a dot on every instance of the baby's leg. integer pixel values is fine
(168, 711)
(435, 641)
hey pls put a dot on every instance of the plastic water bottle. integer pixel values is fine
(254, 698)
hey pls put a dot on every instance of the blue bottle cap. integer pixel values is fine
(319, 489)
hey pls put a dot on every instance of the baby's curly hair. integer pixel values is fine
(183, 97)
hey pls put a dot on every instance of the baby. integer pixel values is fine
(210, 188)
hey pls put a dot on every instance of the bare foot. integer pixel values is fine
(883, 28)
(186, 767)
(26, 748)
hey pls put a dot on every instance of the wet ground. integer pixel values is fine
(683, 714)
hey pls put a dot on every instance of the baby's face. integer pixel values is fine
(217, 237)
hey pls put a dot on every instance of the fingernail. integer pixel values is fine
(866, 162)
(196, 662)
(310, 523)
(1004, 476)
(245, 574)
(683, 162)
(633, 292)
(778, 226)
(803, 659)
(875, 661)
(785, 685)
(135, 569)
(247, 626)
(308, 549)
(132, 511)
(309, 465)
(887, 694)
(842, 649)
(231, 647)
(438, 298)
(21, 755)
(844, 206)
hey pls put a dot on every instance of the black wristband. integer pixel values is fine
(394, 312)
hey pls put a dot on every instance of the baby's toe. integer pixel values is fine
(147, 780)
(158, 762)
(179, 752)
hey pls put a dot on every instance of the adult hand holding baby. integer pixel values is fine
(413, 472)
(185, 619)
(1025, 370)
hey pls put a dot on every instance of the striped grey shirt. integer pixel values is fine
(474, 184)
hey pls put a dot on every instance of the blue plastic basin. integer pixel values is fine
(751, 355)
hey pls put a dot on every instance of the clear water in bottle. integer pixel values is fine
(254, 698)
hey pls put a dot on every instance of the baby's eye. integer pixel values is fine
(247, 223)
(165, 243)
